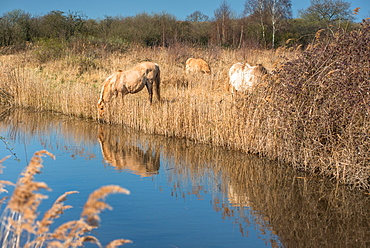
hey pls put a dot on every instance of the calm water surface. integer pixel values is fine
(182, 195)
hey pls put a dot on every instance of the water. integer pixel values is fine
(182, 195)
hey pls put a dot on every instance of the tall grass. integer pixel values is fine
(20, 226)
(312, 111)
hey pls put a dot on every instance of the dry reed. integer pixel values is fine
(20, 215)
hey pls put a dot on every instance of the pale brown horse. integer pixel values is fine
(197, 65)
(145, 74)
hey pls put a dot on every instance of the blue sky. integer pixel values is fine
(98, 9)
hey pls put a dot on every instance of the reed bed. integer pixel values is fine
(300, 114)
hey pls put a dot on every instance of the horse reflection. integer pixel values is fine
(126, 157)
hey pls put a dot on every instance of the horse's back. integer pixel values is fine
(243, 76)
(151, 72)
(197, 65)
(146, 65)
(147, 68)
(236, 68)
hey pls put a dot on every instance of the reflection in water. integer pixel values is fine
(298, 210)
(302, 211)
(237, 199)
(22, 126)
(125, 156)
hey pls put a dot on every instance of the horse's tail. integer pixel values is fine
(157, 82)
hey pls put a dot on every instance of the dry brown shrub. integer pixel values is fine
(323, 104)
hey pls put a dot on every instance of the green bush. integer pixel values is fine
(50, 49)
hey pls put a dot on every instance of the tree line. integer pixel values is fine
(262, 24)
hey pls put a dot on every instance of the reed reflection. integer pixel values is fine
(253, 192)
(302, 211)
(124, 156)
(24, 125)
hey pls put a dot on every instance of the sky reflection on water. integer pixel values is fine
(182, 195)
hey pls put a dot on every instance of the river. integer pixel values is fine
(182, 194)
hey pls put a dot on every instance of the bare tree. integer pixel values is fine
(268, 12)
(257, 10)
(278, 10)
(222, 21)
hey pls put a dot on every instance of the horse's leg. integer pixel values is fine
(123, 97)
(157, 84)
(149, 86)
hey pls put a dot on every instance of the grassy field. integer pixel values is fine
(311, 111)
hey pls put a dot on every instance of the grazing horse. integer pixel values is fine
(197, 65)
(244, 76)
(145, 74)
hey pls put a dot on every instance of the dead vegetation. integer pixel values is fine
(21, 227)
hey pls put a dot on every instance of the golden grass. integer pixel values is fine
(21, 213)
(194, 107)
(59, 86)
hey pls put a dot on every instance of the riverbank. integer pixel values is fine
(312, 112)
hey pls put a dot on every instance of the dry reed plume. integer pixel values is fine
(20, 215)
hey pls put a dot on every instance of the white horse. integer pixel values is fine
(242, 76)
